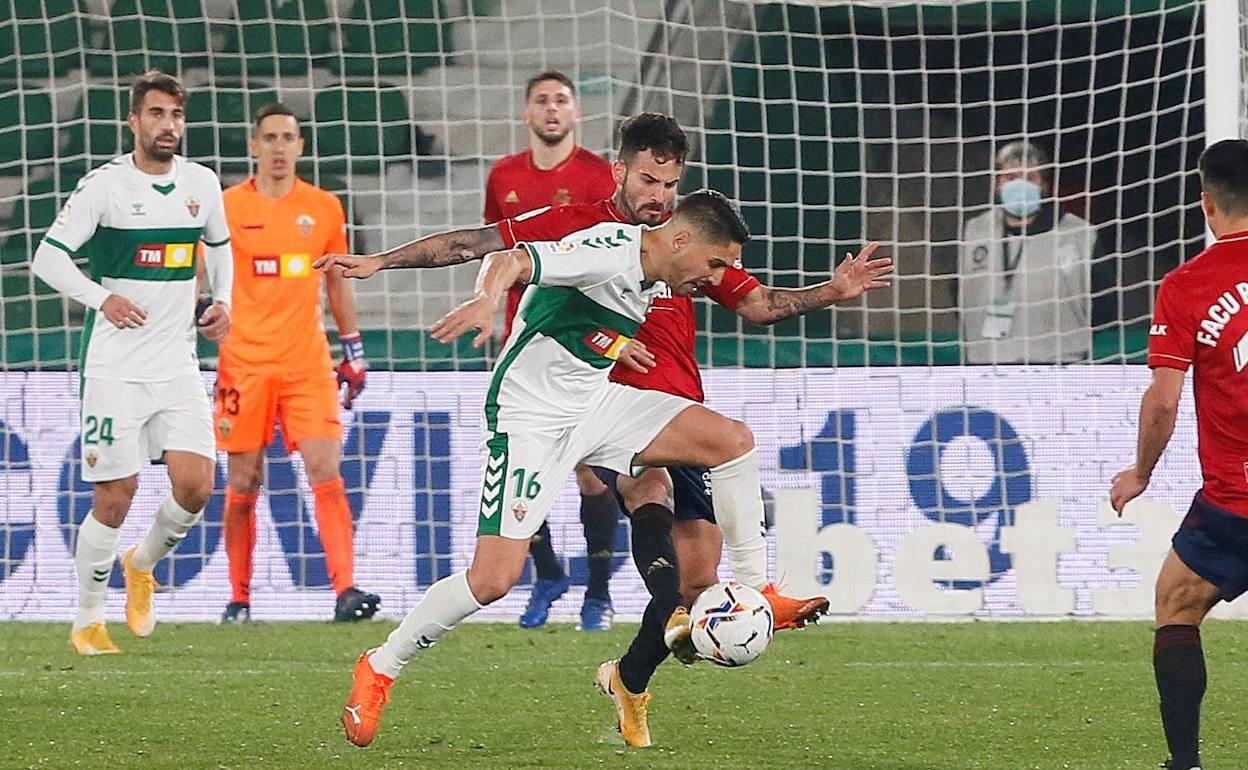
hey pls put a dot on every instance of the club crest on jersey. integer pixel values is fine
(305, 223)
(519, 510)
(192, 205)
(92, 458)
(563, 197)
(136, 209)
(512, 197)
(606, 343)
(224, 426)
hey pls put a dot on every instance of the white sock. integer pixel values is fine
(738, 500)
(170, 526)
(446, 603)
(93, 559)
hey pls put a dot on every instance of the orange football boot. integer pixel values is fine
(370, 692)
(794, 613)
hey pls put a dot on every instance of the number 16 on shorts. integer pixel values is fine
(512, 501)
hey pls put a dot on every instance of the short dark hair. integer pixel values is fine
(1224, 175)
(660, 134)
(717, 218)
(275, 108)
(542, 77)
(155, 80)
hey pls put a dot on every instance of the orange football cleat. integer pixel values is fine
(794, 613)
(370, 692)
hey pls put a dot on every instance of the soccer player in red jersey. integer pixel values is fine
(554, 171)
(1201, 322)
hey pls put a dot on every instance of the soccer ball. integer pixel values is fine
(732, 624)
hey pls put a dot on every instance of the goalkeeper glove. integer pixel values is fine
(351, 370)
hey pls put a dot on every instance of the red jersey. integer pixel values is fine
(1198, 322)
(516, 186)
(669, 331)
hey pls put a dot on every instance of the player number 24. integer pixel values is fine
(97, 430)
(529, 490)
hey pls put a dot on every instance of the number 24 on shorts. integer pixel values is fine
(97, 430)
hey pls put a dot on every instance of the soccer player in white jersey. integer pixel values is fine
(138, 220)
(550, 406)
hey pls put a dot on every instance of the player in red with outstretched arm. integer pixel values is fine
(1199, 323)
(554, 171)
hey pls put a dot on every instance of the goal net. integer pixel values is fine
(983, 400)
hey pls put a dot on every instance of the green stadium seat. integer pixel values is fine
(219, 123)
(31, 305)
(27, 134)
(33, 213)
(358, 127)
(41, 39)
(270, 37)
(393, 37)
(170, 35)
(98, 130)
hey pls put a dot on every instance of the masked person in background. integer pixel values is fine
(1024, 270)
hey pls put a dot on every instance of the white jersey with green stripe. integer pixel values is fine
(586, 299)
(139, 233)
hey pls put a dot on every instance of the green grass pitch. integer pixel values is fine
(860, 696)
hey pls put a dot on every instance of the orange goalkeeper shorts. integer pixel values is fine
(248, 406)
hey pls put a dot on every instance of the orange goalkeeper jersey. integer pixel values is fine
(276, 314)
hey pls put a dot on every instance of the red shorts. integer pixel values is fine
(248, 406)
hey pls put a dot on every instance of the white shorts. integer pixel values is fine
(523, 471)
(126, 424)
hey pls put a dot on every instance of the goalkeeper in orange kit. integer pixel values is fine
(275, 366)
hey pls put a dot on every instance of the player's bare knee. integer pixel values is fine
(321, 472)
(735, 440)
(112, 500)
(1182, 602)
(651, 488)
(193, 490)
(245, 481)
(488, 586)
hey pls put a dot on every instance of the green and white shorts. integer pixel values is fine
(126, 424)
(524, 470)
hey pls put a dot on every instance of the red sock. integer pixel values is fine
(333, 519)
(240, 541)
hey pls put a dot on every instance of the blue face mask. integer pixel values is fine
(1020, 198)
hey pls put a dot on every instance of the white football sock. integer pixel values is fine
(446, 603)
(171, 524)
(93, 559)
(738, 501)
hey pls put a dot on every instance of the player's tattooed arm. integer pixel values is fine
(853, 277)
(780, 304)
(450, 248)
(439, 250)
